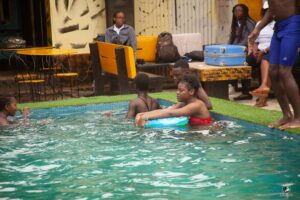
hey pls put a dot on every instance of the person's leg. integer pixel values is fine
(281, 96)
(278, 88)
(265, 79)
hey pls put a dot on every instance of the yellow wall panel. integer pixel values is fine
(254, 8)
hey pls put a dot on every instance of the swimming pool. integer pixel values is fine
(82, 154)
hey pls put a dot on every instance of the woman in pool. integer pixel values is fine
(188, 105)
(8, 108)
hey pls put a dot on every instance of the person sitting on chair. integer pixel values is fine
(121, 33)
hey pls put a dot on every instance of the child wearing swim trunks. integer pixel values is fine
(181, 68)
(143, 103)
(188, 105)
(8, 108)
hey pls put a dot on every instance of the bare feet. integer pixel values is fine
(293, 124)
(262, 102)
(281, 122)
(261, 91)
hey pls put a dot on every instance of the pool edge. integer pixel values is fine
(222, 107)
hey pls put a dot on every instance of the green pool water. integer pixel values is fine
(81, 154)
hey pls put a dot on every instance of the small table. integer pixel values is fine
(215, 79)
(44, 53)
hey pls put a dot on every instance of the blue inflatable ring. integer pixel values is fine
(167, 122)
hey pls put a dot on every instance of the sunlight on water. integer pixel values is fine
(81, 154)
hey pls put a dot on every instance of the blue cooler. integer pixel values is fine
(225, 55)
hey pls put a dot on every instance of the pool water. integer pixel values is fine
(82, 154)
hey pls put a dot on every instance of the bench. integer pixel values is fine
(215, 79)
(116, 63)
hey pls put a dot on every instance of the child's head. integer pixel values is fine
(142, 82)
(187, 87)
(180, 68)
(8, 105)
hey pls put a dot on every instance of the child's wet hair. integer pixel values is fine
(191, 82)
(181, 64)
(142, 82)
(5, 100)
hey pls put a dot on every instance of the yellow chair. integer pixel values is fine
(71, 77)
(146, 48)
(33, 81)
(117, 62)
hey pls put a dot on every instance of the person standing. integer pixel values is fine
(283, 51)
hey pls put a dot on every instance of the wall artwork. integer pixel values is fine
(74, 23)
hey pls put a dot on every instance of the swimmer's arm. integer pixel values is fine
(173, 107)
(203, 97)
(178, 112)
(131, 110)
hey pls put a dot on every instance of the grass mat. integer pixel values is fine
(220, 106)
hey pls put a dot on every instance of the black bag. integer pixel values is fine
(166, 51)
(195, 55)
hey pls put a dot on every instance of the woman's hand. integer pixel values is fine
(139, 120)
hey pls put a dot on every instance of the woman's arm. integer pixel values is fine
(164, 113)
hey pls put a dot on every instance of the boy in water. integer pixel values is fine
(180, 69)
(188, 105)
(283, 51)
(143, 103)
(8, 107)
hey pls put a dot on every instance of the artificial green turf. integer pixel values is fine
(220, 106)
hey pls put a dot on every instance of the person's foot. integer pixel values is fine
(291, 125)
(261, 91)
(280, 122)
(243, 97)
(262, 102)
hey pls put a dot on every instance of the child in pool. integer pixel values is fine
(143, 103)
(181, 68)
(8, 107)
(188, 105)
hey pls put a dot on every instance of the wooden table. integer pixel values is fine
(215, 79)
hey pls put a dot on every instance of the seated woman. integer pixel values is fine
(241, 27)
(8, 108)
(188, 105)
(121, 33)
(143, 103)
(259, 56)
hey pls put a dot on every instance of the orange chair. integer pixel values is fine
(146, 48)
(117, 62)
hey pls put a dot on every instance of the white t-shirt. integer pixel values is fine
(118, 29)
(265, 36)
